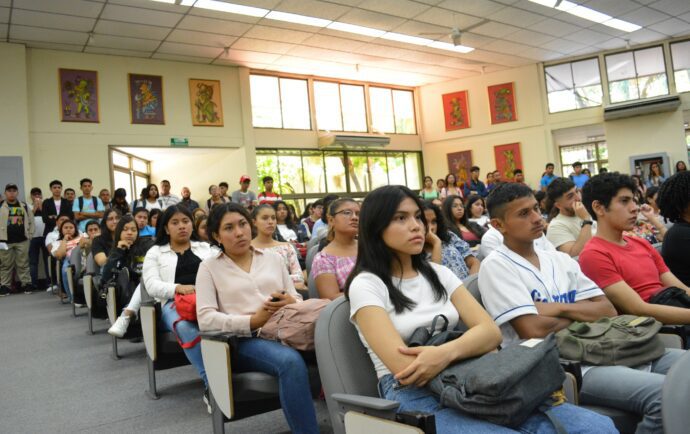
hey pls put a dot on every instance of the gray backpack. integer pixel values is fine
(626, 340)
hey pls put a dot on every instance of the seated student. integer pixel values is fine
(235, 287)
(53, 235)
(651, 198)
(647, 226)
(264, 222)
(244, 196)
(141, 217)
(333, 264)
(477, 211)
(315, 211)
(428, 192)
(93, 230)
(674, 203)
(451, 187)
(531, 293)
(129, 252)
(628, 269)
(474, 185)
(393, 290)
(62, 249)
(572, 227)
(200, 228)
(120, 201)
(215, 199)
(170, 268)
(148, 199)
(103, 244)
(493, 239)
(154, 215)
(458, 220)
(445, 247)
(320, 229)
(285, 223)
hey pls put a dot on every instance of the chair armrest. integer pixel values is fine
(216, 335)
(364, 402)
(574, 368)
(675, 329)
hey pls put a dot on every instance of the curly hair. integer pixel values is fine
(674, 197)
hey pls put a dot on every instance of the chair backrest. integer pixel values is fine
(344, 365)
(75, 260)
(91, 266)
(676, 394)
(472, 285)
(310, 257)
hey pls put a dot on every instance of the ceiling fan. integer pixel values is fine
(455, 34)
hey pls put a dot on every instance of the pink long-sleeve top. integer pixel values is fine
(227, 296)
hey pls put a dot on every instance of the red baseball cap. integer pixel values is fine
(244, 178)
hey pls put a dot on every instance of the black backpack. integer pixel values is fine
(81, 203)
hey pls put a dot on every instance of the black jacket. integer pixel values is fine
(50, 215)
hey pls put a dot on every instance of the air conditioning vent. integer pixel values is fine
(642, 107)
(350, 140)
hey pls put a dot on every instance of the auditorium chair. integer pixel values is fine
(74, 279)
(91, 281)
(675, 398)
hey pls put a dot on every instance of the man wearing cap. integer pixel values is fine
(16, 229)
(243, 196)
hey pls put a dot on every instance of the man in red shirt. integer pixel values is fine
(628, 269)
(268, 196)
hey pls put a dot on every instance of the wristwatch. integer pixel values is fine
(586, 222)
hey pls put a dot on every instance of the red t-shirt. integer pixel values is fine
(637, 263)
(268, 197)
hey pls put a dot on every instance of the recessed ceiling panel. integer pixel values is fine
(190, 50)
(262, 46)
(212, 25)
(374, 20)
(199, 38)
(117, 28)
(79, 8)
(313, 8)
(277, 34)
(47, 35)
(124, 42)
(140, 16)
(398, 8)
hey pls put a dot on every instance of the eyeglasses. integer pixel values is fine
(348, 213)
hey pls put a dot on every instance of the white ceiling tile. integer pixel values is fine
(497, 58)
(400, 8)
(587, 37)
(4, 15)
(224, 16)
(262, 46)
(536, 8)
(248, 56)
(494, 29)
(645, 35)
(510, 15)
(506, 47)
(189, 50)
(442, 17)
(685, 17)
(613, 8)
(529, 37)
(116, 52)
(277, 34)
(5, 3)
(671, 27)
(3, 32)
(424, 30)
(554, 27)
(644, 16)
(585, 51)
(609, 30)
(465, 64)
(233, 62)
(325, 41)
(321, 53)
(475, 41)
(483, 8)
(507, 2)
(80, 8)
(383, 51)
(347, 2)
(430, 56)
(573, 19)
(212, 25)
(122, 42)
(117, 28)
(435, 2)
(166, 7)
(612, 44)
(50, 35)
(563, 46)
(200, 38)
(140, 16)
(49, 45)
(52, 21)
(313, 8)
(671, 7)
(179, 58)
(540, 54)
(371, 19)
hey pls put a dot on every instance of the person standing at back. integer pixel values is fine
(16, 229)
(578, 177)
(474, 185)
(187, 200)
(54, 207)
(244, 196)
(87, 207)
(167, 198)
(548, 176)
(37, 245)
(268, 196)
(104, 196)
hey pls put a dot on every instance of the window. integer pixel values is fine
(593, 156)
(130, 173)
(340, 107)
(680, 53)
(306, 175)
(279, 102)
(636, 74)
(573, 86)
(392, 110)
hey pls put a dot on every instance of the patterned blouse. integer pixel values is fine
(453, 254)
(340, 266)
(287, 252)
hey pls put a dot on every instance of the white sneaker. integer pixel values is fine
(120, 327)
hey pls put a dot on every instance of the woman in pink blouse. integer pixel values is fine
(238, 289)
(333, 264)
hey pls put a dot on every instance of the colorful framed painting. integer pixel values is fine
(455, 110)
(78, 95)
(508, 159)
(146, 99)
(502, 103)
(204, 96)
(459, 164)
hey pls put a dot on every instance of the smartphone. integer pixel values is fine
(274, 299)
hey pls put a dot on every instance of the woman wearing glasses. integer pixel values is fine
(333, 264)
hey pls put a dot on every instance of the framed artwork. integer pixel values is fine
(204, 97)
(508, 159)
(78, 95)
(146, 99)
(502, 103)
(459, 164)
(455, 110)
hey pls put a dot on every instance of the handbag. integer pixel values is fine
(423, 336)
(293, 325)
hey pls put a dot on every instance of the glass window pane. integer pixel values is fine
(378, 170)
(120, 159)
(327, 100)
(396, 169)
(413, 166)
(561, 101)
(266, 165)
(403, 104)
(290, 166)
(359, 172)
(295, 103)
(603, 151)
(265, 101)
(314, 179)
(335, 172)
(558, 77)
(381, 102)
(682, 80)
(586, 73)
(140, 184)
(353, 108)
(140, 165)
(589, 96)
(623, 90)
(123, 180)
(653, 85)
(649, 61)
(620, 66)
(680, 53)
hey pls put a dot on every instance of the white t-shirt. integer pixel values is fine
(168, 200)
(564, 229)
(481, 221)
(510, 284)
(492, 239)
(287, 233)
(51, 237)
(368, 290)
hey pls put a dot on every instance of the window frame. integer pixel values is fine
(637, 76)
(672, 65)
(598, 162)
(280, 101)
(570, 63)
(128, 170)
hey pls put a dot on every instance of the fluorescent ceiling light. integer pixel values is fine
(187, 2)
(298, 19)
(589, 14)
(231, 8)
(547, 3)
(172, 2)
(565, 5)
(450, 47)
(406, 38)
(622, 25)
(360, 30)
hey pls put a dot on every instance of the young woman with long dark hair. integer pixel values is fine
(103, 244)
(458, 221)
(62, 249)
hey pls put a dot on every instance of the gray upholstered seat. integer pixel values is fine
(676, 396)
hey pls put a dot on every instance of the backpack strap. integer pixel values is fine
(81, 203)
(95, 203)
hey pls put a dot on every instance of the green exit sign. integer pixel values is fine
(179, 141)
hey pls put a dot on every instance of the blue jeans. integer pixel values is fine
(272, 358)
(187, 331)
(631, 389)
(449, 420)
(65, 283)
